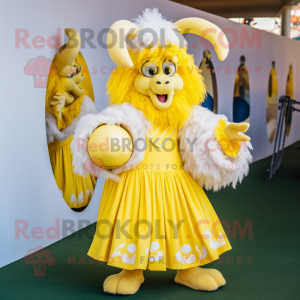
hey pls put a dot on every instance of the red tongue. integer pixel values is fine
(161, 98)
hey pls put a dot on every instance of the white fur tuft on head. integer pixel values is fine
(155, 31)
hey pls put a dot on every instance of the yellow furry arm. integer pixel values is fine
(230, 148)
(68, 113)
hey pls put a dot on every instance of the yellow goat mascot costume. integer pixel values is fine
(153, 212)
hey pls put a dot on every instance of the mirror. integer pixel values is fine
(69, 96)
(241, 97)
(272, 103)
(289, 91)
(209, 75)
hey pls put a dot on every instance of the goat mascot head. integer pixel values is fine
(154, 71)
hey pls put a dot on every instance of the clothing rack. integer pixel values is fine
(286, 108)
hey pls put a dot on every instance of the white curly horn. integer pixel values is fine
(207, 30)
(119, 53)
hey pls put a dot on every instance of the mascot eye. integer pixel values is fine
(169, 68)
(76, 69)
(149, 71)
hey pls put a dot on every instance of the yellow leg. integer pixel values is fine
(200, 279)
(127, 282)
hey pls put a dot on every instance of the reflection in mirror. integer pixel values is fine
(209, 76)
(289, 91)
(241, 97)
(69, 97)
(272, 103)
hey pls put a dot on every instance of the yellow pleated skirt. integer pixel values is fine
(157, 217)
(76, 190)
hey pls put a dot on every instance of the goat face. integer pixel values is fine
(160, 81)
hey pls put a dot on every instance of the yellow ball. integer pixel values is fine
(110, 146)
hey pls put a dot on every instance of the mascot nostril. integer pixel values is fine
(158, 82)
(167, 82)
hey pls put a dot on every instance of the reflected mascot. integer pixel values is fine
(209, 76)
(241, 98)
(66, 103)
(272, 103)
(153, 212)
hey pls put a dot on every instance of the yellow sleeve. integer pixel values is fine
(230, 148)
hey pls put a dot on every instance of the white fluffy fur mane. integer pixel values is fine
(156, 31)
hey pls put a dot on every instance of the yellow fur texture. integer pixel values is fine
(68, 113)
(229, 147)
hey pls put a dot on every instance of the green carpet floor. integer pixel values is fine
(264, 264)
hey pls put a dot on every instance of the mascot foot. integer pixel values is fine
(200, 279)
(127, 282)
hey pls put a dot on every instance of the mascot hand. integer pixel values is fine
(232, 131)
(59, 102)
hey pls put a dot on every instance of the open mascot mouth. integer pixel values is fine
(161, 101)
(162, 98)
